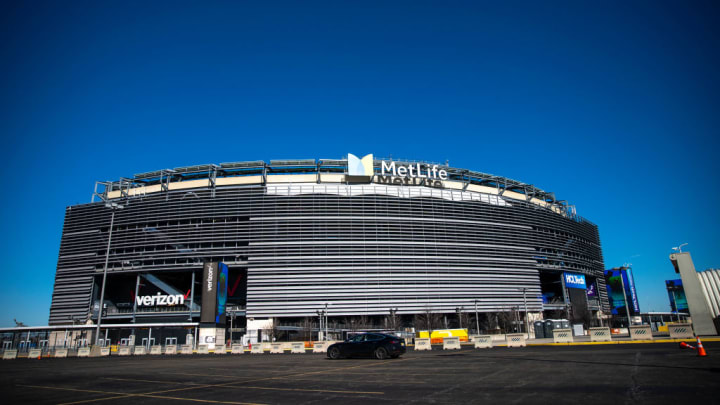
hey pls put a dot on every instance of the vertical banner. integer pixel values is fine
(630, 287)
(209, 292)
(222, 289)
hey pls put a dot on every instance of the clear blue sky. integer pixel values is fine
(611, 105)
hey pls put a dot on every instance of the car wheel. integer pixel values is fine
(334, 353)
(381, 353)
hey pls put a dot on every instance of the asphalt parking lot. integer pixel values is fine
(610, 374)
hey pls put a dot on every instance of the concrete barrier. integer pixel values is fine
(156, 349)
(139, 351)
(122, 351)
(237, 349)
(483, 342)
(640, 332)
(276, 348)
(681, 331)
(60, 353)
(451, 343)
(600, 334)
(297, 347)
(320, 347)
(499, 338)
(220, 349)
(422, 344)
(287, 346)
(10, 354)
(83, 352)
(203, 349)
(515, 340)
(171, 349)
(104, 351)
(562, 336)
(34, 353)
(257, 349)
(186, 349)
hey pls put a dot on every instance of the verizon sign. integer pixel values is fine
(160, 300)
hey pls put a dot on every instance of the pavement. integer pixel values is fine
(634, 373)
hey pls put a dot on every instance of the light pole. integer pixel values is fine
(527, 325)
(326, 321)
(477, 319)
(627, 310)
(113, 206)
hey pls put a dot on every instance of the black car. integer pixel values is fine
(377, 345)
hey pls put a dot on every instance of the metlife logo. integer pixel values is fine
(360, 167)
(394, 173)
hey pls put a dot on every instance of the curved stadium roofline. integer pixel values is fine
(506, 187)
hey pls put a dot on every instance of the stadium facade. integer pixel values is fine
(356, 236)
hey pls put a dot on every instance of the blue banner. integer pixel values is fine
(573, 280)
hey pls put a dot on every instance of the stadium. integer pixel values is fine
(351, 238)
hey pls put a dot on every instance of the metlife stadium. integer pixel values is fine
(355, 237)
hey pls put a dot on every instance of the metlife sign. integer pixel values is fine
(573, 280)
(395, 173)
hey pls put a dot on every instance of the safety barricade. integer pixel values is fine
(423, 344)
(170, 349)
(186, 349)
(257, 349)
(60, 353)
(640, 332)
(237, 349)
(681, 331)
(10, 354)
(83, 352)
(203, 349)
(297, 347)
(276, 348)
(34, 354)
(483, 341)
(320, 347)
(220, 349)
(515, 340)
(562, 336)
(156, 349)
(139, 351)
(286, 346)
(451, 343)
(122, 351)
(600, 335)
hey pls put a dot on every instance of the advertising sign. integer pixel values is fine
(214, 293)
(615, 279)
(676, 293)
(209, 292)
(573, 280)
(222, 290)
(592, 291)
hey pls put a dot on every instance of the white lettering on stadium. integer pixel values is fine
(414, 170)
(160, 300)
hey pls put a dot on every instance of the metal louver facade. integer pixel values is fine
(360, 248)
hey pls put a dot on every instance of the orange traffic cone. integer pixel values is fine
(700, 348)
(684, 345)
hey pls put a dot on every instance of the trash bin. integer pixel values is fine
(539, 329)
(565, 324)
(548, 327)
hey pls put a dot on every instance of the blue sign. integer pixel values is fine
(574, 280)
